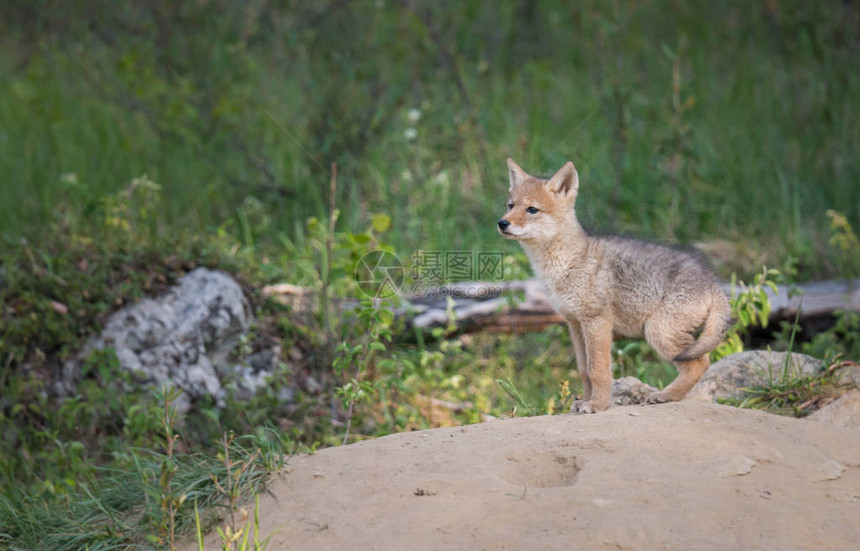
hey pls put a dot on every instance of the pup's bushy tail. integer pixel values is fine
(716, 325)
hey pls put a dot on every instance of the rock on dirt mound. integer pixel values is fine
(687, 475)
(727, 377)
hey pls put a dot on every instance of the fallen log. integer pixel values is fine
(522, 306)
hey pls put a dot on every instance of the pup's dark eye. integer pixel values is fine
(510, 206)
(532, 210)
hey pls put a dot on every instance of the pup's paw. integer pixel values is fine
(660, 398)
(588, 406)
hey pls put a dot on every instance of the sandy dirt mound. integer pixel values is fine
(686, 475)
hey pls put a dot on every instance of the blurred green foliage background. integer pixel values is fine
(731, 123)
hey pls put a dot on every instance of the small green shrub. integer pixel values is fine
(750, 308)
(845, 241)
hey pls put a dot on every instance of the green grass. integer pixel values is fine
(793, 394)
(490, 374)
(217, 103)
(122, 508)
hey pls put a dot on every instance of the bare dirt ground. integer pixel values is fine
(686, 475)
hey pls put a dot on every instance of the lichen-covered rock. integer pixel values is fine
(746, 369)
(253, 372)
(182, 338)
(630, 390)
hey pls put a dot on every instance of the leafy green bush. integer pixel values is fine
(750, 308)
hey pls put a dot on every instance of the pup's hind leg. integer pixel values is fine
(689, 373)
(668, 344)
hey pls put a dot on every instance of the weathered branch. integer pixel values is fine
(522, 306)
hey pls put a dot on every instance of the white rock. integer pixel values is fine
(181, 338)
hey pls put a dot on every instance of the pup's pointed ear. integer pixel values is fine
(515, 173)
(565, 182)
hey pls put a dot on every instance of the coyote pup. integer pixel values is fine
(611, 285)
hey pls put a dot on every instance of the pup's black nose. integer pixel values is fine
(503, 224)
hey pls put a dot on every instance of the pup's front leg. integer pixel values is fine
(597, 338)
(581, 364)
